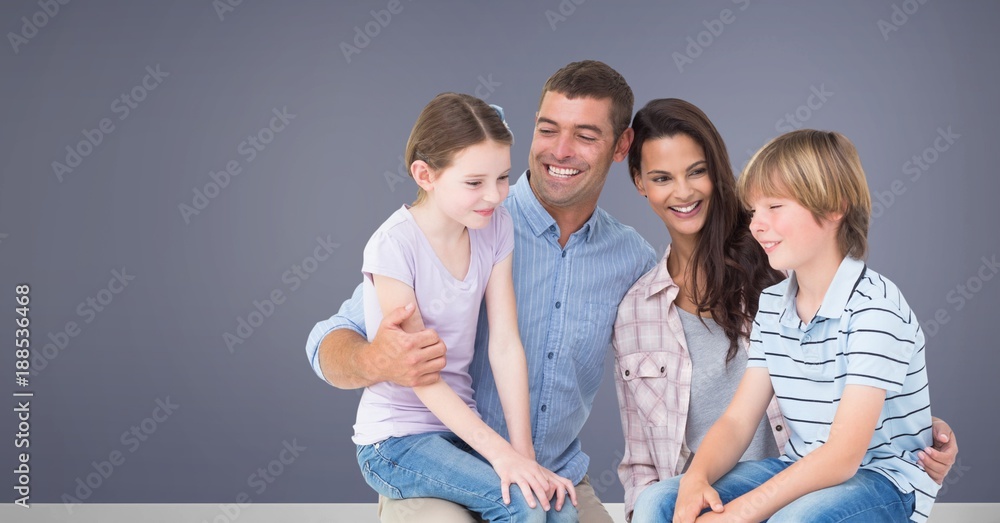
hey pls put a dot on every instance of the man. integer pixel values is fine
(573, 263)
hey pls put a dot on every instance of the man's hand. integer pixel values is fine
(403, 358)
(937, 461)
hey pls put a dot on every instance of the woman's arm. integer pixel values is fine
(444, 403)
(637, 469)
(833, 463)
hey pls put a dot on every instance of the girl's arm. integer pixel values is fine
(512, 467)
(723, 445)
(833, 463)
(507, 356)
(510, 367)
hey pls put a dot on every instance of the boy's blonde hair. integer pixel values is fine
(822, 172)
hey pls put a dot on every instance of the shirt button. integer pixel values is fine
(551, 355)
(558, 304)
(543, 408)
(564, 254)
(663, 369)
(778, 428)
(552, 227)
(627, 373)
(806, 338)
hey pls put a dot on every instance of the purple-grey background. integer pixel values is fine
(331, 175)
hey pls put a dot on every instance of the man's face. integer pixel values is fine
(572, 150)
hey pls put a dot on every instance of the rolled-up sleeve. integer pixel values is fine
(350, 316)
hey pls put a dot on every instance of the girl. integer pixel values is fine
(681, 335)
(445, 253)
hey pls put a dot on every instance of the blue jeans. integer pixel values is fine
(867, 497)
(441, 465)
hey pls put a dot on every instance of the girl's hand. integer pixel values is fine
(694, 496)
(529, 476)
(561, 487)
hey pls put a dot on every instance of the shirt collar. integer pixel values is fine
(662, 280)
(538, 218)
(848, 275)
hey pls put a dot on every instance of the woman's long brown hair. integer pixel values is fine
(731, 267)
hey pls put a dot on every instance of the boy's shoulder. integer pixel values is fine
(875, 290)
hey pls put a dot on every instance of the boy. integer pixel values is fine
(838, 345)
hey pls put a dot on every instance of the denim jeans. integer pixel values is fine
(867, 497)
(441, 465)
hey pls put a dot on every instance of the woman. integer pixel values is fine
(680, 336)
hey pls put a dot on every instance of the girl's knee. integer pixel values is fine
(521, 512)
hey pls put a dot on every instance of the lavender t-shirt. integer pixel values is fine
(399, 250)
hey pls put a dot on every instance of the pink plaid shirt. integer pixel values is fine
(653, 380)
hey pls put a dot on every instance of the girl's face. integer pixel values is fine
(790, 234)
(475, 183)
(674, 177)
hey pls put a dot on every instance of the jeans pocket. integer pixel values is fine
(375, 468)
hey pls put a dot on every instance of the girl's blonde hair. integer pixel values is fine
(449, 123)
(820, 170)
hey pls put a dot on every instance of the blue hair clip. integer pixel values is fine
(499, 111)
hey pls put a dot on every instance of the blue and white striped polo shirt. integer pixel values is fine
(864, 333)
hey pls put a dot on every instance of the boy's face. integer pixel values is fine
(790, 234)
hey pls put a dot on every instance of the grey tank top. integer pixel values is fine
(713, 385)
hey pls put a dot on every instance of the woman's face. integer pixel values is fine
(674, 177)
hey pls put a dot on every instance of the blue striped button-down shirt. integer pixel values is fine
(567, 300)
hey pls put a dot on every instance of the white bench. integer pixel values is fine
(327, 513)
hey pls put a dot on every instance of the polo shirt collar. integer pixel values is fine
(848, 275)
(537, 217)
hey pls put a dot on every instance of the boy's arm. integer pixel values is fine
(341, 354)
(724, 444)
(831, 464)
(444, 403)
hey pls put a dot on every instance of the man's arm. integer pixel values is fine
(339, 351)
(937, 461)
